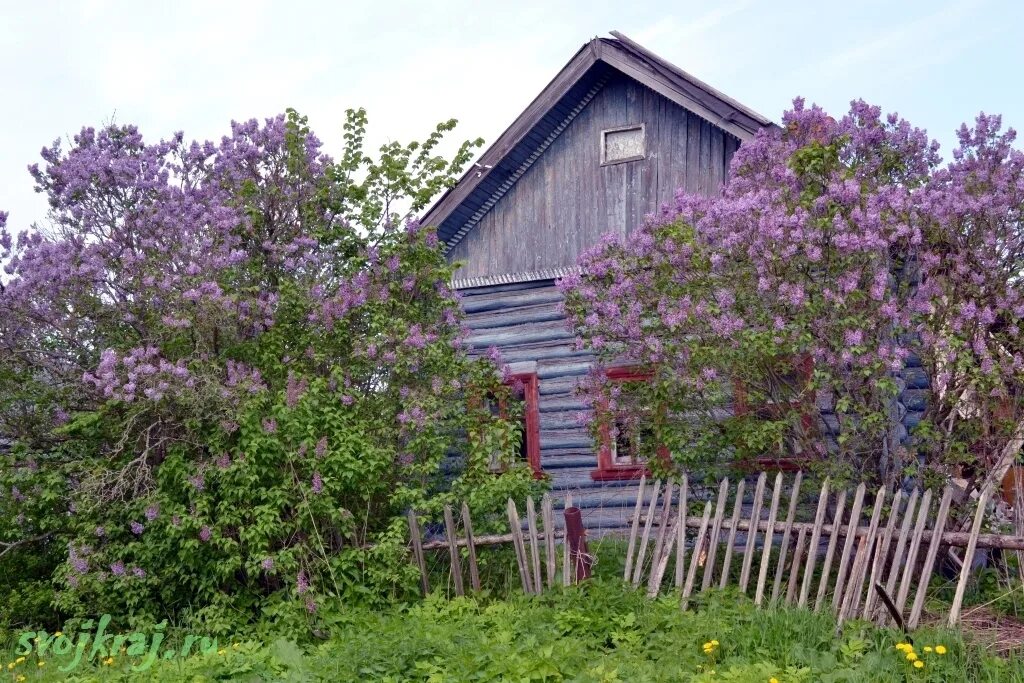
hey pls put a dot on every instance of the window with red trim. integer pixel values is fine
(626, 440)
(529, 441)
(783, 390)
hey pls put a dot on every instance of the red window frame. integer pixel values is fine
(742, 406)
(531, 418)
(607, 468)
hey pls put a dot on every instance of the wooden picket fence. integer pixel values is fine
(539, 534)
(881, 566)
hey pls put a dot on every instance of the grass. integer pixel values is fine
(601, 631)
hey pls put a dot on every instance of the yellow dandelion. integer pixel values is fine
(911, 656)
(715, 643)
(58, 634)
(220, 652)
(927, 648)
(10, 666)
(19, 660)
(235, 646)
(41, 664)
(919, 664)
(20, 679)
(773, 679)
(940, 649)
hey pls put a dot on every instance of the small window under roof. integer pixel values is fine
(626, 143)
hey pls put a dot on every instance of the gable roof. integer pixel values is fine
(551, 112)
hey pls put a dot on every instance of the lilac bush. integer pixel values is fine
(838, 251)
(240, 356)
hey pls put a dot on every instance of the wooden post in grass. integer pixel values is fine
(681, 532)
(755, 520)
(695, 557)
(901, 543)
(915, 546)
(851, 537)
(833, 541)
(972, 545)
(453, 550)
(474, 571)
(659, 540)
(798, 555)
(566, 564)
(576, 536)
(850, 601)
(417, 551)
(882, 553)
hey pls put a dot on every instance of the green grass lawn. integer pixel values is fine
(601, 631)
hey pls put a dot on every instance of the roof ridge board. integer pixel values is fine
(648, 55)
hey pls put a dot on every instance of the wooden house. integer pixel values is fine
(611, 138)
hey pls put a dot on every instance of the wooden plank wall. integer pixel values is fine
(567, 200)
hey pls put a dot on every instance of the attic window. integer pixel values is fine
(626, 143)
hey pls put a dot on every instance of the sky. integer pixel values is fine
(196, 66)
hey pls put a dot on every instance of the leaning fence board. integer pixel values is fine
(786, 533)
(812, 554)
(659, 541)
(417, 551)
(755, 518)
(548, 518)
(661, 564)
(642, 551)
(681, 532)
(531, 524)
(851, 537)
(453, 550)
(737, 510)
(833, 540)
(520, 548)
(474, 571)
(972, 544)
(929, 560)
(769, 538)
(695, 556)
(795, 570)
(716, 529)
(630, 549)
(852, 589)
(901, 542)
(915, 545)
(882, 553)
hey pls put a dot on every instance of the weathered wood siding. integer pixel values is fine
(567, 200)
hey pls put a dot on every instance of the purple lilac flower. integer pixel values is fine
(117, 568)
(267, 564)
(152, 512)
(205, 533)
(269, 425)
(302, 582)
(139, 572)
(310, 605)
(321, 447)
(101, 532)
(318, 483)
(198, 481)
(137, 528)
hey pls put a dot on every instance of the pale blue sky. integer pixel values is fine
(194, 66)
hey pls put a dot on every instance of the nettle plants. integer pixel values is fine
(837, 253)
(246, 364)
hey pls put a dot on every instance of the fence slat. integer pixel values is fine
(769, 539)
(812, 554)
(695, 557)
(882, 553)
(833, 541)
(628, 573)
(929, 560)
(851, 600)
(531, 524)
(642, 550)
(901, 542)
(972, 545)
(851, 537)
(798, 554)
(681, 532)
(474, 570)
(517, 542)
(453, 550)
(548, 518)
(787, 531)
(659, 540)
(417, 551)
(755, 519)
(915, 545)
(716, 529)
(660, 563)
(737, 510)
